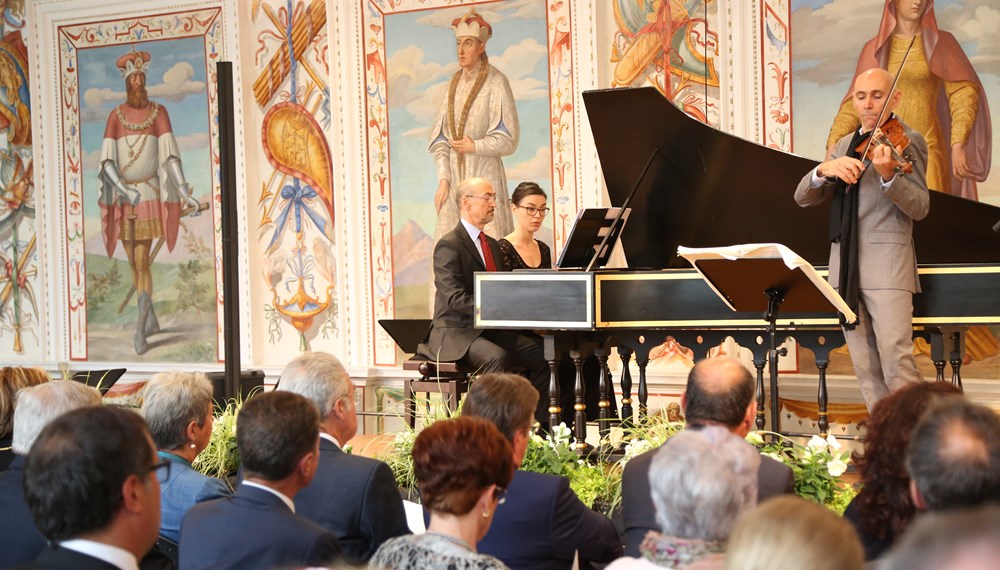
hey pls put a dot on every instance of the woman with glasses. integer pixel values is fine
(520, 248)
(178, 408)
(463, 466)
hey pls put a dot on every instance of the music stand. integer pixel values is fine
(588, 234)
(103, 380)
(766, 277)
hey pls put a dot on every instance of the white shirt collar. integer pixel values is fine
(120, 557)
(329, 437)
(288, 502)
(473, 230)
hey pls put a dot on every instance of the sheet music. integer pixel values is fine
(767, 251)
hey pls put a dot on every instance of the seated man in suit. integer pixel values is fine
(542, 524)
(278, 441)
(37, 406)
(453, 337)
(720, 391)
(353, 497)
(954, 456)
(91, 486)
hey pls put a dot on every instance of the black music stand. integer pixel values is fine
(759, 283)
(589, 238)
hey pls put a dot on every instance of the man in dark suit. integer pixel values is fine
(278, 441)
(91, 487)
(453, 336)
(354, 497)
(541, 524)
(36, 407)
(720, 391)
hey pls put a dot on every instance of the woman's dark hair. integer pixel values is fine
(884, 501)
(455, 460)
(526, 189)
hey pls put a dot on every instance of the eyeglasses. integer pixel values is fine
(163, 464)
(533, 211)
(500, 494)
(487, 197)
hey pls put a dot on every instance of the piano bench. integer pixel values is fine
(450, 379)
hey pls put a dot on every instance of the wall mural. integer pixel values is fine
(18, 227)
(140, 181)
(823, 75)
(671, 45)
(411, 62)
(296, 196)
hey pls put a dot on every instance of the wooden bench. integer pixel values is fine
(450, 379)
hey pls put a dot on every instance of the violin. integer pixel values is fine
(892, 135)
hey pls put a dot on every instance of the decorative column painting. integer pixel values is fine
(19, 279)
(140, 174)
(671, 45)
(411, 62)
(295, 200)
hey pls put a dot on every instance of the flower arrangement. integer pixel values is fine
(221, 458)
(817, 466)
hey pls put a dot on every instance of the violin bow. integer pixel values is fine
(892, 90)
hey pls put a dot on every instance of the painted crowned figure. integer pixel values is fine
(142, 185)
(476, 125)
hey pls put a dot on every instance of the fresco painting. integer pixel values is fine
(141, 187)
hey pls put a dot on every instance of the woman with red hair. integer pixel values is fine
(883, 508)
(463, 466)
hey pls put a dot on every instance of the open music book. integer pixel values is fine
(766, 251)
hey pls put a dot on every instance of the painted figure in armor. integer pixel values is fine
(142, 185)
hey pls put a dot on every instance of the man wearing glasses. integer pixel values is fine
(91, 487)
(453, 336)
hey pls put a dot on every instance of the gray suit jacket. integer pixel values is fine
(456, 260)
(886, 257)
(639, 514)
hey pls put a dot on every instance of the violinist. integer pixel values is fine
(878, 187)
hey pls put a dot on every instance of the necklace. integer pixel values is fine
(151, 114)
(452, 539)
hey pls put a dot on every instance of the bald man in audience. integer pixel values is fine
(90, 481)
(954, 456)
(965, 539)
(720, 391)
(354, 497)
(36, 407)
(278, 439)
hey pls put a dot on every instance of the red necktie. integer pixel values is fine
(487, 253)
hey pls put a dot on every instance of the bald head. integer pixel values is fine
(954, 455)
(719, 391)
(871, 95)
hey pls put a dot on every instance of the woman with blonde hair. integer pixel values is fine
(12, 379)
(789, 533)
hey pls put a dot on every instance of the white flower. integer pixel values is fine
(836, 467)
(833, 443)
(755, 438)
(560, 433)
(774, 456)
(817, 444)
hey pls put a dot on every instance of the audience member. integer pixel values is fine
(92, 491)
(353, 497)
(789, 533)
(12, 379)
(965, 539)
(463, 467)
(720, 391)
(702, 481)
(178, 408)
(277, 436)
(37, 406)
(954, 456)
(542, 524)
(883, 508)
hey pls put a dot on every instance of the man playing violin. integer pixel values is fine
(876, 196)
